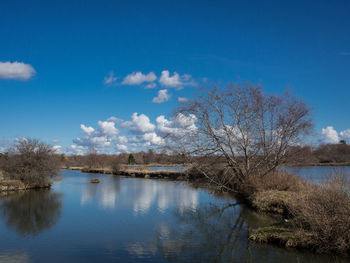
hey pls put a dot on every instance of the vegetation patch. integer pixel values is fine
(274, 201)
(282, 236)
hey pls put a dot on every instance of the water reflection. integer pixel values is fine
(14, 256)
(217, 233)
(105, 192)
(141, 193)
(164, 195)
(31, 212)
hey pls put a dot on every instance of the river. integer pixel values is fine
(132, 220)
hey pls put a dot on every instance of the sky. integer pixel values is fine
(110, 73)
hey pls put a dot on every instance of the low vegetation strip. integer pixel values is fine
(313, 216)
(143, 172)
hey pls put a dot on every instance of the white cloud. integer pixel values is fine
(175, 81)
(115, 120)
(179, 126)
(151, 85)
(139, 124)
(345, 135)
(87, 130)
(122, 147)
(122, 139)
(57, 148)
(97, 141)
(170, 81)
(107, 128)
(182, 99)
(102, 137)
(137, 78)
(163, 96)
(110, 79)
(16, 70)
(76, 149)
(329, 135)
(152, 138)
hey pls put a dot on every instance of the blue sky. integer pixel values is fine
(66, 50)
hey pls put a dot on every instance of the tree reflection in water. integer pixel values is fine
(212, 234)
(219, 233)
(31, 212)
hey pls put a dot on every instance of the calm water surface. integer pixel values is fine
(318, 173)
(132, 220)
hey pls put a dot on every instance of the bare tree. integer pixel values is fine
(243, 130)
(92, 157)
(31, 161)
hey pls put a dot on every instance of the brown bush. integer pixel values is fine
(324, 212)
(273, 181)
(30, 161)
(274, 201)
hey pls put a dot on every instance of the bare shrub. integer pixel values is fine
(32, 162)
(275, 181)
(324, 211)
(116, 167)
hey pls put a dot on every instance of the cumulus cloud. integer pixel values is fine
(108, 128)
(87, 130)
(137, 78)
(122, 139)
(163, 96)
(182, 99)
(76, 149)
(167, 80)
(139, 124)
(133, 135)
(178, 126)
(175, 81)
(330, 135)
(122, 147)
(143, 129)
(152, 138)
(110, 79)
(57, 148)
(345, 135)
(151, 85)
(16, 70)
(102, 137)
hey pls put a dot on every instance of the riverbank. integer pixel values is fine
(7, 185)
(140, 172)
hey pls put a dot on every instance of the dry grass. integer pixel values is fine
(324, 211)
(141, 169)
(274, 201)
(320, 214)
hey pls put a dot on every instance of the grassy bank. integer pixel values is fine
(10, 185)
(140, 172)
(315, 217)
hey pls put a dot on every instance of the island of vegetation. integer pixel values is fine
(241, 139)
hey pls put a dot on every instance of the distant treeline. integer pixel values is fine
(306, 155)
(93, 159)
(322, 154)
